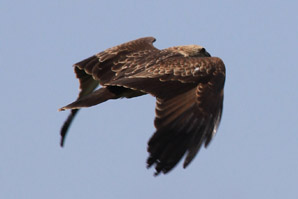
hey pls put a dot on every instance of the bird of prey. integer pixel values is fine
(185, 80)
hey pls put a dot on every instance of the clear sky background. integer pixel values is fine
(254, 154)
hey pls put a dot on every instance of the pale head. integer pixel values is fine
(191, 50)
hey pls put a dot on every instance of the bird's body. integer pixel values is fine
(186, 81)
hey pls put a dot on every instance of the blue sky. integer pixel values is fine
(254, 154)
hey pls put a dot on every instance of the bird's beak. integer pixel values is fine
(207, 54)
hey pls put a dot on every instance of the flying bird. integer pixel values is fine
(185, 80)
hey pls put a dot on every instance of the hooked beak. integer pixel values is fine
(207, 54)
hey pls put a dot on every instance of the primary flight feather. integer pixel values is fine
(188, 85)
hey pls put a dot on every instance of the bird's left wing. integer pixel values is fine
(189, 105)
(184, 123)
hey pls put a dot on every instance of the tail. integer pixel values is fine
(99, 96)
(67, 124)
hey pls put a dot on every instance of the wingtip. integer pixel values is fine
(156, 174)
(186, 163)
(150, 162)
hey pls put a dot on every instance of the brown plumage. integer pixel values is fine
(186, 81)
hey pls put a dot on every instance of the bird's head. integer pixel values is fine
(191, 51)
(196, 51)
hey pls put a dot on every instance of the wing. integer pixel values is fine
(106, 65)
(170, 76)
(189, 105)
(103, 67)
(87, 85)
(183, 124)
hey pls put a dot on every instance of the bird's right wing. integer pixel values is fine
(87, 86)
(102, 67)
(106, 65)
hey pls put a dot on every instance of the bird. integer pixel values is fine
(187, 82)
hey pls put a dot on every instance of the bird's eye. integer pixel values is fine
(203, 50)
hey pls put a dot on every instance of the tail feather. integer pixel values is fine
(67, 124)
(99, 96)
